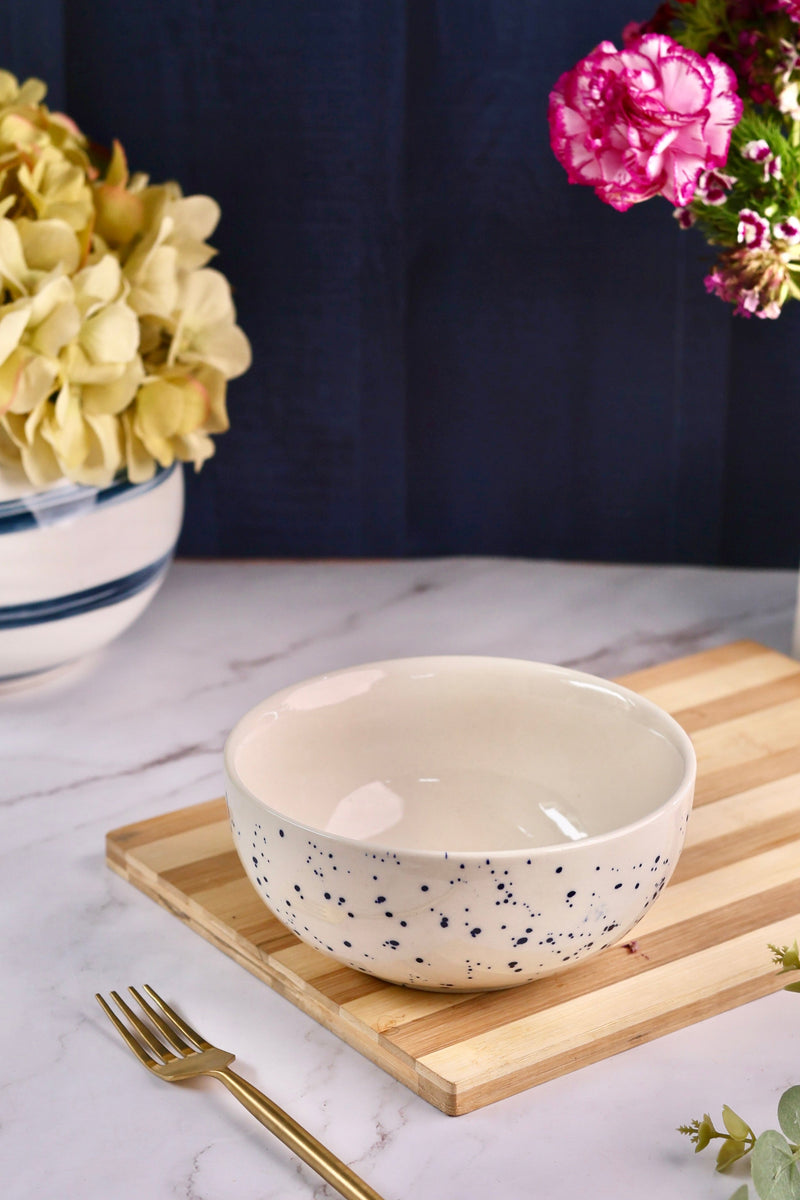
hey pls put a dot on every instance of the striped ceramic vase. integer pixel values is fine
(79, 564)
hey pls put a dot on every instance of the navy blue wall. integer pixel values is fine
(455, 350)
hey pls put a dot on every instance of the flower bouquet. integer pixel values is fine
(116, 338)
(700, 106)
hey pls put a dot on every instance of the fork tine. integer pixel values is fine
(169, 1033)
(133, 1042)
(179, 1022)
(144, 1030)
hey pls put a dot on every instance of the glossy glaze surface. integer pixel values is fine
(459, 822)
(78, 565)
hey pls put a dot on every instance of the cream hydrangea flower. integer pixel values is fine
(116, 339)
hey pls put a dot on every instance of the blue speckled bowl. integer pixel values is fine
(458, 823)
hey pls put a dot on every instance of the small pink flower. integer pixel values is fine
(643, 121)
(685, 217)
(713, 187)
(755, 281)
(787, 230)
(790, 7)
(753, 230)
(773, 169)
(757, 151)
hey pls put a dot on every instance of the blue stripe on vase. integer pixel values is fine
(45, 508)
(18, 616)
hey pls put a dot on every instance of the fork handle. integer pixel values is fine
(298, 1139)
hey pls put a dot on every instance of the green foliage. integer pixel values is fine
(787, 957)
(737, 1137)
(774, 1167)
(700, 24)
(774, 1156)
(789, 1113)
(772, 198)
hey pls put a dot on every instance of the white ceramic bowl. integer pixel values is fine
(78, 565)
(458, 823)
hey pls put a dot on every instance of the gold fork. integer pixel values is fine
(195, 1056)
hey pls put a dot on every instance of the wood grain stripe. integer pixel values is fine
(741, 812)
(207, 872)
(691, 982)
(740, 704)
(185, 847)
(478, 1014)
(711, 690)
(727, 781)
(732, 847)
(692, 666)
(700, 949)
(128, 838)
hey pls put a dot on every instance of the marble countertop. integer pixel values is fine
(139, 731)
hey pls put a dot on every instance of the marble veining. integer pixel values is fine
(138, 730)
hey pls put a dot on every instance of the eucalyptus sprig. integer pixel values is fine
(774, 1154)
(788, 959)
(738, 1138)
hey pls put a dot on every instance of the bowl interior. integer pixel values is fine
(468, 754)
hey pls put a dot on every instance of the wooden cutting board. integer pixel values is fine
(703, 948)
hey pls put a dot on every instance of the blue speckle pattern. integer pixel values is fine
(459, 923)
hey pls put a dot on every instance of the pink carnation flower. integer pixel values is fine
(643, 121)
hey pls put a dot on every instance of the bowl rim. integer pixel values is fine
(680, 739)
(28, 501)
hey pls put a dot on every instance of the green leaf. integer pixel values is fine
(734, 1124)
(775, 1173)
(741, 1193)
(791, 957)
(730, 1151)
(789, 1113)
(787, 957)
(705, 1131)
(792, 987)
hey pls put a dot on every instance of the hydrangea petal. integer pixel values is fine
(111, 335)
(40, 463)
(59, 328)
(49, 244)
(139, 463)
(101, 281)
(225, 348)
(195, 448)
(63, 427)
(104, 450)
(195, 217)
(114, 396)
(50, 294)
(13, 268)
(206, 299)
(26, 380)
(159, 408)
(154, 290)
